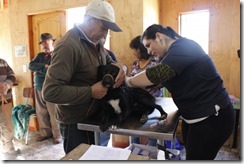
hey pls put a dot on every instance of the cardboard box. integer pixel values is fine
(152, 152)
(121, 141)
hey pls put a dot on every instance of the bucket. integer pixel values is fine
(33, 123)
(121, 141)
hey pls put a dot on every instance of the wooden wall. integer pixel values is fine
(150, 12)
(128, 17)
(5, 40)
(20, 10)
(224, 33)
(133, 17)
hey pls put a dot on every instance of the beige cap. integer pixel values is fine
(104, 11)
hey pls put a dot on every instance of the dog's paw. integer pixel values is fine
(143, 119)
(113, 127)
(103, 127)
(163, 117)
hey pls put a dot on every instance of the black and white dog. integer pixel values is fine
(121, 102)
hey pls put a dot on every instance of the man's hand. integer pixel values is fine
(4, 87)
(121, 75)
(98, 90)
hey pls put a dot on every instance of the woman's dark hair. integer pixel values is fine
(137, 44)
(150, 32)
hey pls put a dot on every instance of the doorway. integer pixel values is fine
(53, 23)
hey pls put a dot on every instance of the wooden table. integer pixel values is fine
(76, 154)
(133, 127)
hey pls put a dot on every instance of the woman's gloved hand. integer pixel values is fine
(127, 82)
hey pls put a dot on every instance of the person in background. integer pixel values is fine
(143, 61)
(71, 80)
(7, 80)
(197, 89)
(45, 111)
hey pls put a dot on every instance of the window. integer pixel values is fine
(195, 26)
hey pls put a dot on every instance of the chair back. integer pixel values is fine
(28, 92)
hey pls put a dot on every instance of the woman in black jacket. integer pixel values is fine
(196, 87)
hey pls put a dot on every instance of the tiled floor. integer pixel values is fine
(46, 150)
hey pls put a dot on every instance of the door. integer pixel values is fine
(53, 23)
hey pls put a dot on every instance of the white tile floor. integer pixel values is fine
(46, 150)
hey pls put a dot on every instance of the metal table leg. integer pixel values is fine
(160, 142)
(234, 145)
(97, 138)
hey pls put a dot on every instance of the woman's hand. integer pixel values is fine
(121, 75)
(171, 119)
(127, 83)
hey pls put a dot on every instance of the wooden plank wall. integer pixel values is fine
(150, 12)
(133, 17)
(224, 33)
(5, 40)
(20, 10)
(225, 30)
(128, 17)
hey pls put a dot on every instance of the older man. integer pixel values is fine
(45, 111)
(7, 79)
(71, 80)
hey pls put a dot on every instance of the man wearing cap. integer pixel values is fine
(71, 80)
(45, 111)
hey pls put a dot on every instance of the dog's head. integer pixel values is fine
(107, 73)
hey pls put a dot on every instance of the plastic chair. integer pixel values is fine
(28, 93)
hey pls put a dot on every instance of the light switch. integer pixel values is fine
(24, 68)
